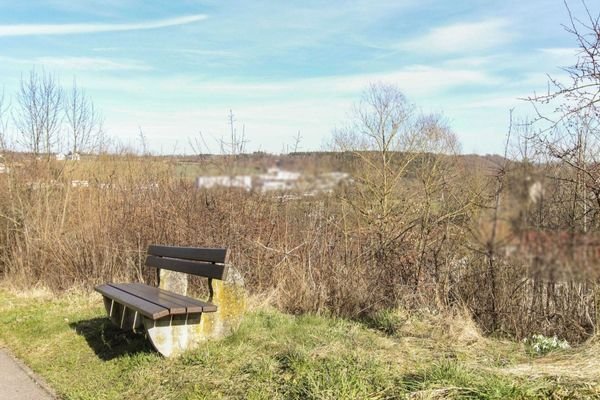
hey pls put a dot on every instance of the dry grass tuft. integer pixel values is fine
(460, 327)
(580, 364)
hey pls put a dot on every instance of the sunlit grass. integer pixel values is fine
(74, 347)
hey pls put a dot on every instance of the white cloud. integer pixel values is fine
(559, 57)
(505, 102)
(475, 62)
(414, 80)
(208, 53)
(466, 37)
(69, 29)
(87, 64)
(560, 52)
(90, 64)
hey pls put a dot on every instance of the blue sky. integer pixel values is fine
(176, 68)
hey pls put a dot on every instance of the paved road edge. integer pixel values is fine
(38, 380)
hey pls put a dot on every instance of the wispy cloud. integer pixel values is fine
(560, 55)
(415, 80)
(466, 37)
(208, 53)
(69, 29)
(88, 64)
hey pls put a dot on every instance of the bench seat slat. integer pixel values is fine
(176, 303)
(191, 303)
(146, 308)
(152, 296)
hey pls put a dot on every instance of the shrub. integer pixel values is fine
(388, 321)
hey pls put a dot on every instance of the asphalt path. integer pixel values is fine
(17, 382)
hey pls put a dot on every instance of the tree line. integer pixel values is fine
(46, 117)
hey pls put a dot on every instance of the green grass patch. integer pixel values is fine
(70, 342)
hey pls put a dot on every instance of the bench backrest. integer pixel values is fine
(207, 262)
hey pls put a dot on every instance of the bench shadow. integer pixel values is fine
(108, 341)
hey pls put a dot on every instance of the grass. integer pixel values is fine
(69, 342)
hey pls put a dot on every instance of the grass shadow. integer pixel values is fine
(108, 341)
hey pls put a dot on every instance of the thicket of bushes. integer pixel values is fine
(330, 254)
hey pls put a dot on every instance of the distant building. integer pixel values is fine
(268, 186)
(69, 156)
(209, 182)
(278, 180)
(79, 183)
(73, 156)
(276, 174)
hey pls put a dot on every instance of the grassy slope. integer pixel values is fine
(69, 342)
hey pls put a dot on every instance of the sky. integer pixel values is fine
(175, 68)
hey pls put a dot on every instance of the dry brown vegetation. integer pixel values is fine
(331, 254)
(512, 241)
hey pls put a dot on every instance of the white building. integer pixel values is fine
(268, 186)
(276, 174)
(240, 181)
(73, 156)
(79, 183)
(69, 156)
(278, 179)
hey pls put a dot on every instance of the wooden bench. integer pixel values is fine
(173, 321)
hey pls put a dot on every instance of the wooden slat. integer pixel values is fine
(193, 305)
(147, 293)
(189, 253)
(216, 271)
(135, 303)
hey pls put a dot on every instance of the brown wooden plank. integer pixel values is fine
(216, 271)
(193, 305)
(149, 293)
(142, 306)
(215, 255)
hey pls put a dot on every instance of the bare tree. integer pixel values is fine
(568, 116)
(582, 90)
(297, 140)
(381, 139)
(198, 144)
(38, 114)
(237, 143)
(443, 199)
(405, 202)
(3, 121)
(382, 128)
(143, 142)
(568, 131)
(83, 121)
